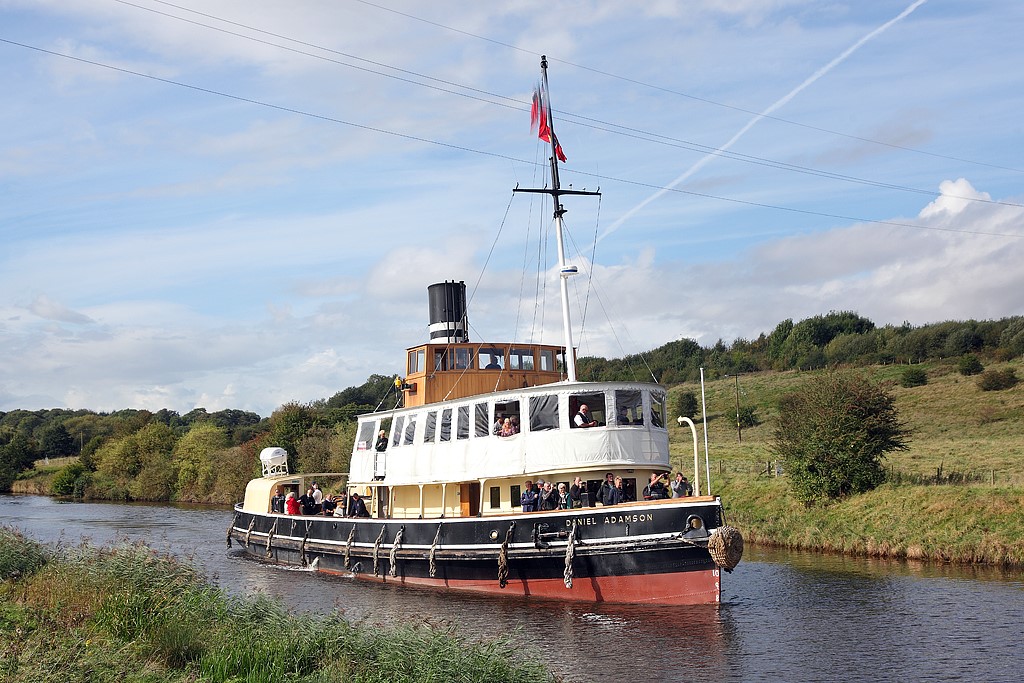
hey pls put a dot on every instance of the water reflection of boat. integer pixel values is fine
(478, 421)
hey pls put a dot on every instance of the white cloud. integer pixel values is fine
(169, 247)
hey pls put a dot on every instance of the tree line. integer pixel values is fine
(199, 456)
(209, 456)
(837, 339)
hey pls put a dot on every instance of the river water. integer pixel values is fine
(785, 616)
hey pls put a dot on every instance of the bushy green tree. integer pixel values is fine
(997, 380)
(69, 480)
(288, 425)
(1012, 338)
(195, 459)
(55, 442)
(16, 455)
(686, 404)
(833, 433)
(747, 417)
(913, 377)
(970, 365)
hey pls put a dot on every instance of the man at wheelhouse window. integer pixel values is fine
(584, 418)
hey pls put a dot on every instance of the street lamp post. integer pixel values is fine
(739, 428)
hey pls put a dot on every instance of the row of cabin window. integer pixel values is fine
(487, 358)
(543, 415)
(593, 486)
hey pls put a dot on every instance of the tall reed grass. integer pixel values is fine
(126, 613)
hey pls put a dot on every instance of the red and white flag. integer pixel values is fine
(539, 120)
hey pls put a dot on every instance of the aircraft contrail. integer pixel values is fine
(750, 124)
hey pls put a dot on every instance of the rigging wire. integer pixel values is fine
(496, 155)
(578, 119)
(695, 98)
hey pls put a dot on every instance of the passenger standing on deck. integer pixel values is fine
(329, 505)
(528, 499)
(680, 487)
(291, 504)
(576, 492)
(615, 495)
(382, 441)
(318, 495)
(564, 499)
(357, 508)
(548, 497)
(606, 488)
(655, 490)
(277, 502)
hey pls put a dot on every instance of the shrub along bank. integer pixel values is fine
(127, 614)
(956, 494)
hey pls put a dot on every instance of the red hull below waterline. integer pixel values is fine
(687, 588)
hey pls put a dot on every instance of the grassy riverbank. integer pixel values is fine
(957, 493)
(127, 614)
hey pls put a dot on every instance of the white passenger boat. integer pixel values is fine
(444, 490)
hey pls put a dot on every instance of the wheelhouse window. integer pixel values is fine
(506, 418)
(543, 413)
(547, 360)
(410, 430)
(365, 440)
(463, 358)
(446, 424)
(520, 359)
(430, 427)
(595, 409)
(463, 425)
(396, 435)
(629, 407)
(440, 360)
(417, 360)
(658, 409)
(482, 420)
(491, 358)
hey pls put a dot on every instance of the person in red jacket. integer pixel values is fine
(291, 505)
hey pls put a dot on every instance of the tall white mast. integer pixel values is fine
(564, 270)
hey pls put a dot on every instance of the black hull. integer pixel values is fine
(629, 553)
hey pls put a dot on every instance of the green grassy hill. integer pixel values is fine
(957, 493)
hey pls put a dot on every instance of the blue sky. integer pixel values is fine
(237, 204)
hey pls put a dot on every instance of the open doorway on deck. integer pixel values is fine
(469, 499)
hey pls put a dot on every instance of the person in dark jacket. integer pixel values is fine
(357, 508)
(655, 490)
(616, 495)
(576, 492)
(528, 499)
(606, 486)
(308, 504)
(277, 501)
(548, 497)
